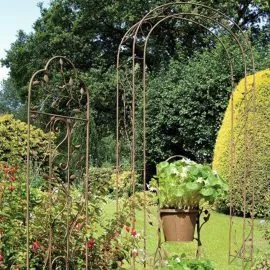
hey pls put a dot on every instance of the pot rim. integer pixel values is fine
(182, 210)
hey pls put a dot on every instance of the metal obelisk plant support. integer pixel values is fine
(59, 102)
(139, 35)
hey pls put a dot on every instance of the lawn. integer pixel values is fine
(215, 238)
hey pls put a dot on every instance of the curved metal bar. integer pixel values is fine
(245, 140)
(144, 102)
(117, 148)
(246, 113)
(28, 171)
(149, 16)
(61, 57)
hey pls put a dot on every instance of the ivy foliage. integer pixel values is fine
(252, 162)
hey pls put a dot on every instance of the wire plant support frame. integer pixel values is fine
(51, 89)
(139, 35)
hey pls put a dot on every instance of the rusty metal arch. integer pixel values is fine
(132, 33)
(39, 79)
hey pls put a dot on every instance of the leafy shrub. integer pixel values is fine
(186, 184)
(186, 101)
(100, 179)
(108, 178)
(262, 262)
(182, 263)
(13, 137)
(108, 241)
(259, 161)
(262, 259)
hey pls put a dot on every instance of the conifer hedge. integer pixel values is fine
(257, 159)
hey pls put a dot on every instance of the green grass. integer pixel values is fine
(214, 235)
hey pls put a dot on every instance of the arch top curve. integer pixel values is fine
(58, 90)
(169, 9)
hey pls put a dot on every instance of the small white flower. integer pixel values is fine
(152, 189)
(184, 172)
(188, 161)
(175, 171)
(200, 180)
(262, 222)
(178, 259)
(183, 175)
(165, 263)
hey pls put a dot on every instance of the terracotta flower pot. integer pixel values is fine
(178, 224)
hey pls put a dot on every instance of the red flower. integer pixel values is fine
(35, 245)
(78, 226)
(11, 188)
(6, 170)
(91, 243)
(12, 177)
(134, 253)
(127, 229)
(133, 232)
(1, 258)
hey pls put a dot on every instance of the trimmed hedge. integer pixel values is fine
(258, 160)
(13, 141)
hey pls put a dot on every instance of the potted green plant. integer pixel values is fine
(182, 187)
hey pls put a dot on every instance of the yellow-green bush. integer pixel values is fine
(107, 176)
(252, 150)
(13, 141)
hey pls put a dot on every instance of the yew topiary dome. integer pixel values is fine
(257, 158)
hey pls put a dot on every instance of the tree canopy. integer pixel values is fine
(89, 32)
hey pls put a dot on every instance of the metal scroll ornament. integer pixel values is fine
(58, 102)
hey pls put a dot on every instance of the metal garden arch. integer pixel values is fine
(135, 34)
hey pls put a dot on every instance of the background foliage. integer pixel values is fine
(184, 61)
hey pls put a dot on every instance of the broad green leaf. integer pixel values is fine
(193, 186)
(207, 191)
